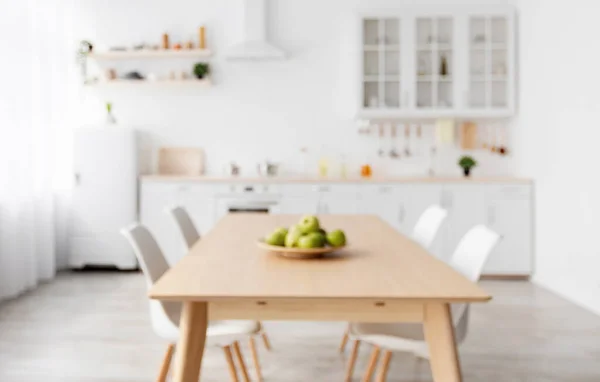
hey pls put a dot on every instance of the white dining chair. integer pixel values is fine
(185, 224)
(164, 315)
(469, 258)
(428, 225)
(424, 233)
(191, 236)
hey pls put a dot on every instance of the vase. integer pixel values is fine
(110, 119)
(467, 171)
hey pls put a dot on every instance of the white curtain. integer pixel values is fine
(36, 83)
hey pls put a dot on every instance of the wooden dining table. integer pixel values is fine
(380, 276)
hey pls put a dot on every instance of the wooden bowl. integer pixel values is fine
(297, 253)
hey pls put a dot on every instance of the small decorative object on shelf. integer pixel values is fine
(177, 46)
(443, 66)
(85, 48)
(165, 41)
(201, 70)
(202, 37)
(110, 118)
(189, 45)
(365, 171)
(467, 163)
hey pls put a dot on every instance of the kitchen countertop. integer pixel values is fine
(353, 180)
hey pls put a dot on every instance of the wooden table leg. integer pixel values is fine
(439, 332)
(192, 334)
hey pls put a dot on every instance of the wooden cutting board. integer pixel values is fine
(180, 161)
(468, 136)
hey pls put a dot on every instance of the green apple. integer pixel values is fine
(282, 230)
(336, 238)
(312, 240)
(308, 224)
(291, 239)
(275, 238)
(322, 232)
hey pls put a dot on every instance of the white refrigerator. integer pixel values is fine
(104, 197)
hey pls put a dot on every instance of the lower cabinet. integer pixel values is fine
(506, 209)
(509, 212)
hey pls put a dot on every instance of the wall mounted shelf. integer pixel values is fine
(150, 54)
(144, 83)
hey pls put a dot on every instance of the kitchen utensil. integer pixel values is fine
(232, 169)
(502, 149)
(407, 139)
(493, 147)
(297, 253)
(267, 168)
(381, 151)
(394, 154)
(180, 161)
(419, 134)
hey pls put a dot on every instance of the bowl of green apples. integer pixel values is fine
(304, 240)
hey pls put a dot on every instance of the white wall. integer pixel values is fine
(557, 137)
(255, 110)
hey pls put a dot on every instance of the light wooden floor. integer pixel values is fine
(92, 327)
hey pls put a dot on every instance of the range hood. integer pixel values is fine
(254, 45)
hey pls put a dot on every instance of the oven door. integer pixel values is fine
(242, 205)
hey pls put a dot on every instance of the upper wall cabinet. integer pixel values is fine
(450, 62)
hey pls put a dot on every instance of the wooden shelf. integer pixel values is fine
(150, 54)
(166, 83)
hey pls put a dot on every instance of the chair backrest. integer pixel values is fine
(473, 251)
(185, 224)
(154, 265)
(470, 256)
(428, 225)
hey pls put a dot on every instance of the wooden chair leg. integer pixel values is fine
(352, 361)
(255, 359)
(166, 364)
(266, 341)
(240, 358)
(372, 365)
(229, 358)
(385, 365)
(344, 340)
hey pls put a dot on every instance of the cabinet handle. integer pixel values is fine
(77, 178)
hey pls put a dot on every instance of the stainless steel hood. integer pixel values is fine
(254, 45)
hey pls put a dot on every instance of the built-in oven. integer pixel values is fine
(244, 198)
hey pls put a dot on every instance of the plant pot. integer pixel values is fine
(467, 171)
(200, 77)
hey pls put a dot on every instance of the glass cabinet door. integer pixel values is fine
(434, 63)
(381, 63)
(488, 62)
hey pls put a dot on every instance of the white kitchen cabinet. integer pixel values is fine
(298, 205)
(339, 203)
(509, 212)
(384, 201)
(466, 205)
(452, 61)
(154, 199)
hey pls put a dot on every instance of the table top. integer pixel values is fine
(378, 263)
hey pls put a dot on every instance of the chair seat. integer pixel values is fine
(407, 331)
(232, 328)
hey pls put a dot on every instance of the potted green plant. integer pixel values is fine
(201, 70)
(467, 163)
